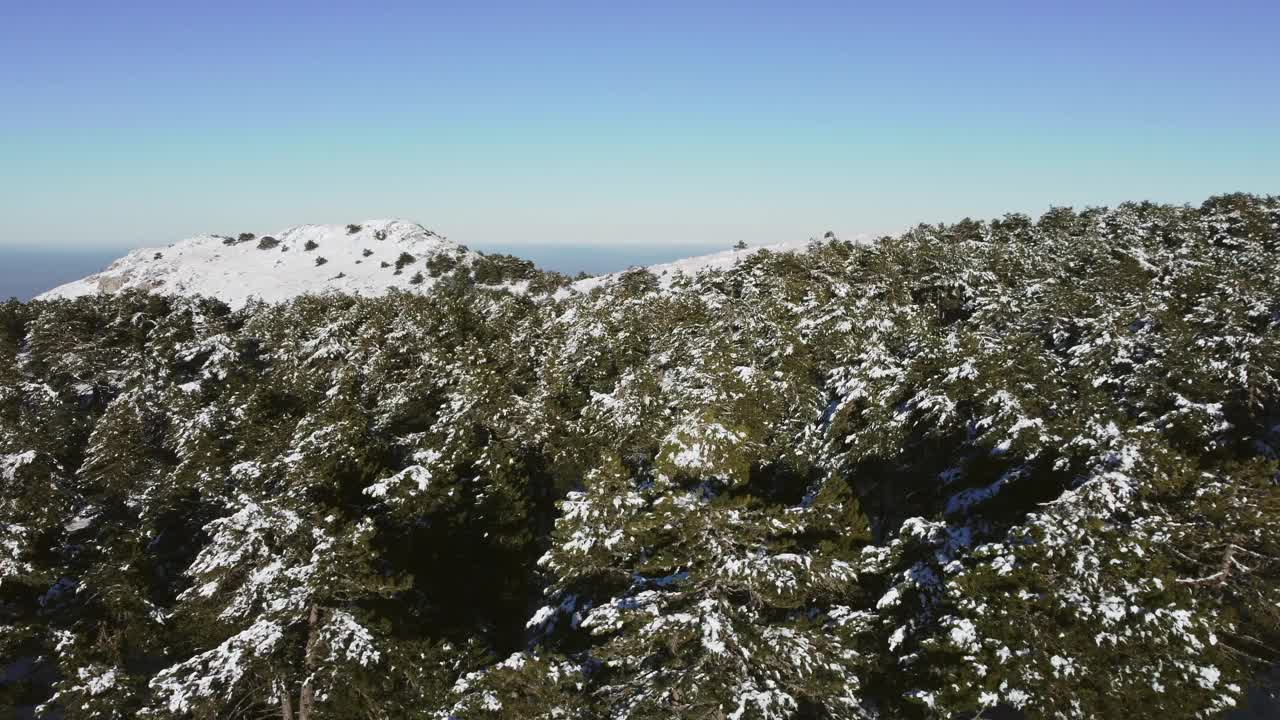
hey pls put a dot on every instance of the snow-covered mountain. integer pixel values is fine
(368, 258)
(359, 259)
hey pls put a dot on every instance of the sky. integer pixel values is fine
(619, 125)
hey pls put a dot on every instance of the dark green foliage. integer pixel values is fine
(321, 261)
(441, 263)
(417, 279)
(1018, 463)
(497, 269)
(366, 252)
(267, 242)
(352, 229)
(637, 281)
(310, 245)
(404, 260)
(545, 283)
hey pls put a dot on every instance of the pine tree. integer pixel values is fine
(1019, 465)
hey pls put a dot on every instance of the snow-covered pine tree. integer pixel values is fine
(1021, 464)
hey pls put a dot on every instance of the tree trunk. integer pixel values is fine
(286, 702)
(307, 698)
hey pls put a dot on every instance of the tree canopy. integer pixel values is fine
(1025, 464)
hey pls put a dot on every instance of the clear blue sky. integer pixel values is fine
(620, 123)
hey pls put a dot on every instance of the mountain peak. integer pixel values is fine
(365, 258)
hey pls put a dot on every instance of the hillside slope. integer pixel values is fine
(356, 259)
(360, 259)
(689, 267)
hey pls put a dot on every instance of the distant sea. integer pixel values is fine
(27, 272)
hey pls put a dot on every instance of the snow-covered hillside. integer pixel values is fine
(359, 259)
(725, 260)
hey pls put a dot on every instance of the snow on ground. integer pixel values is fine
(668, 272)
(234, 273)
(283, 268)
